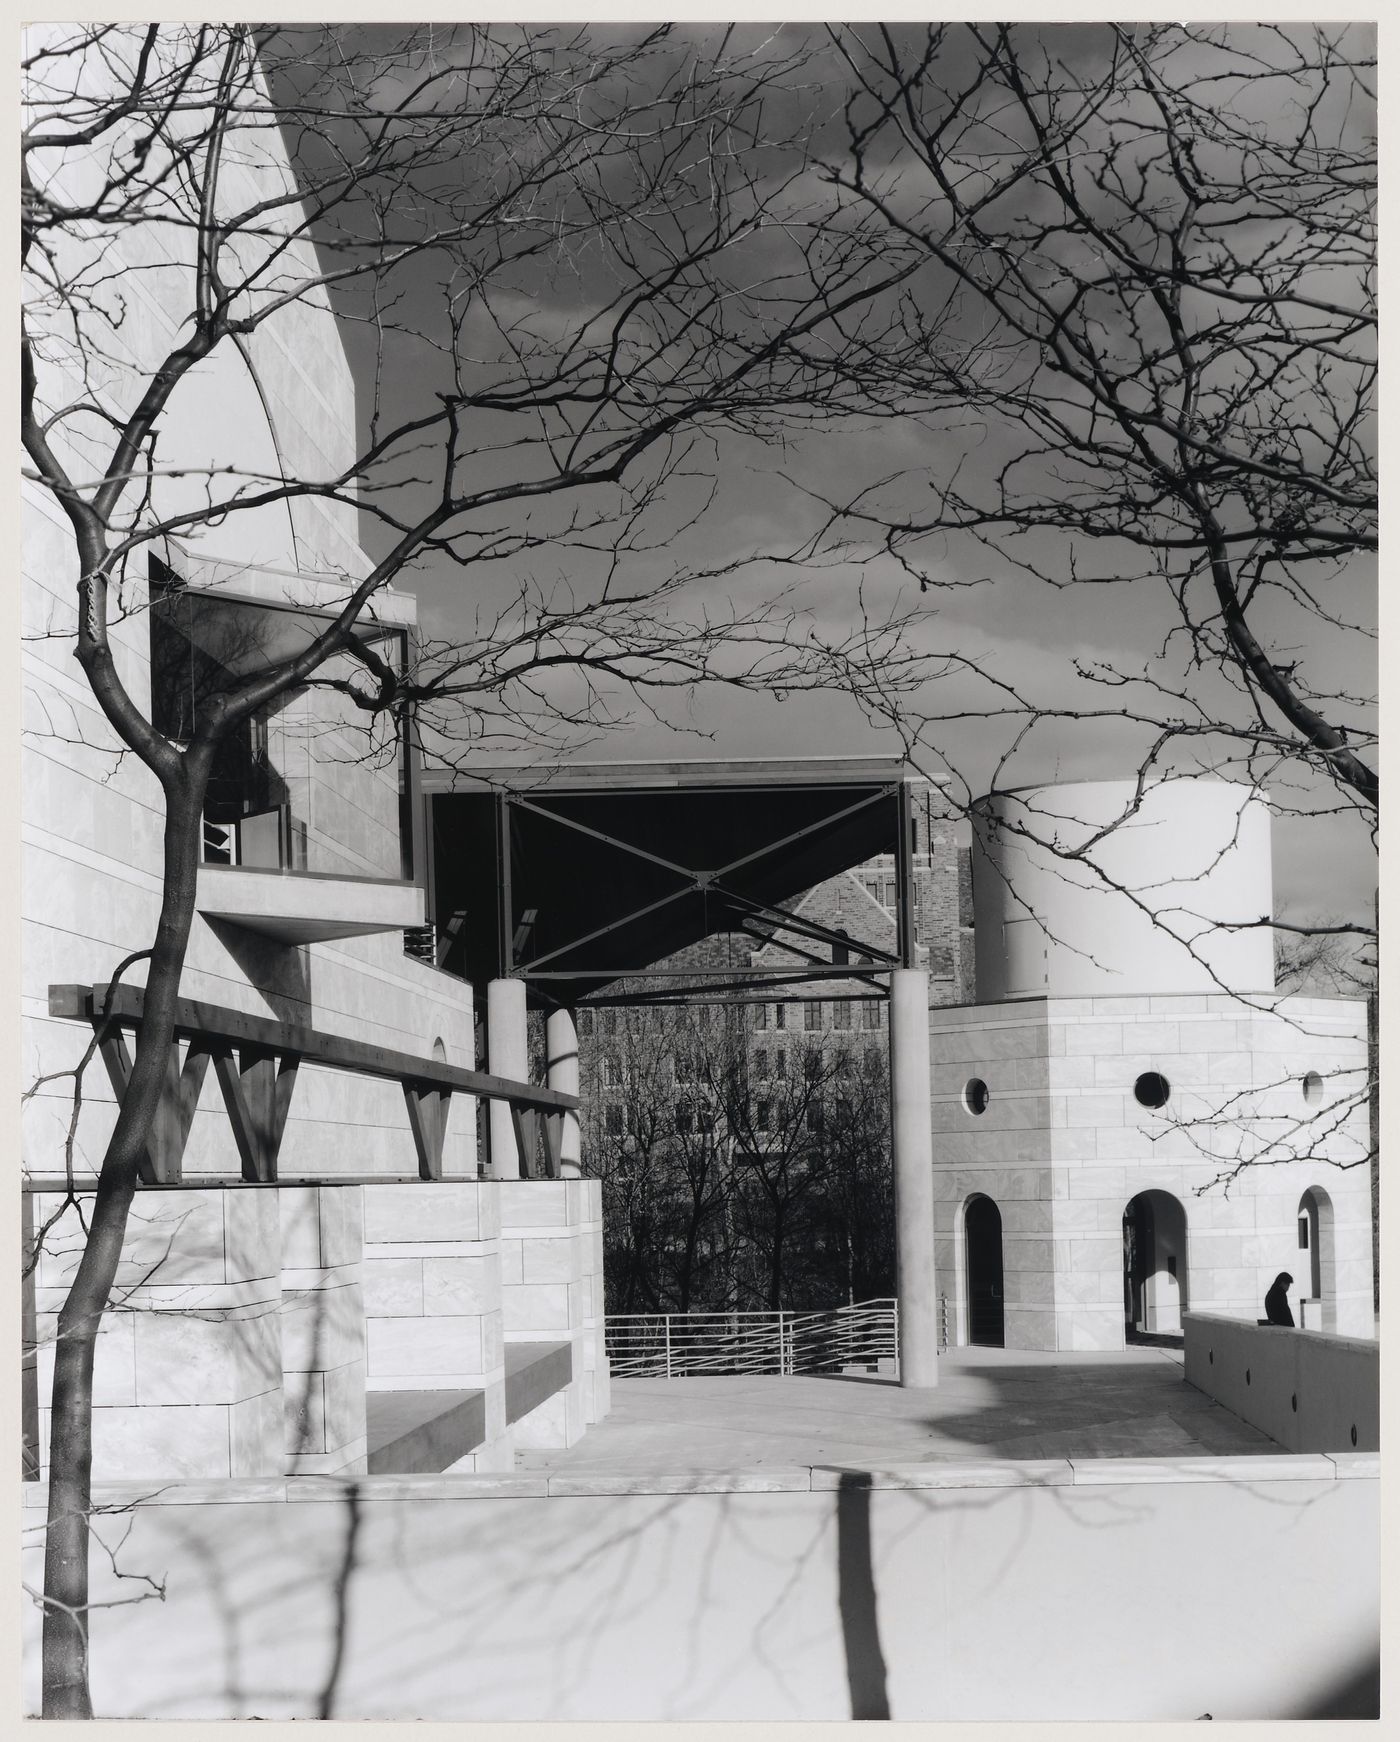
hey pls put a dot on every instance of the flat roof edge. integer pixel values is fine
(679, 772)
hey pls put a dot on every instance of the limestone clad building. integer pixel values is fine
(1127, 1125)
(317, 1276)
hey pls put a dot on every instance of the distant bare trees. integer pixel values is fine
(741, 1169)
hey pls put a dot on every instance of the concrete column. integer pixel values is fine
(508, 1055)
(911, 1111)
(561, 1073)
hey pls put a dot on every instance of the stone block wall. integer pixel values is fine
(250, 1323)
(1064, 1144)
(552, 1292)
(321, 1231)
(188, 1374)
(433, 1298)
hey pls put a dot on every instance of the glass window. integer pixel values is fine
(760, 1119)
(780, 1016)
(685, 1118)
(780, 1064)
(760, 1062)
(840, 1014)
(612, 1117)
(760, 1016)
(812, 1014)
(203, 643)
(874, 1016)
(585, 1024)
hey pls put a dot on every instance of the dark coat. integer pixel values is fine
(1276, 1301)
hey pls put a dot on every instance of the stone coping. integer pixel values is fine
(813, 1479)
(1204, 1322)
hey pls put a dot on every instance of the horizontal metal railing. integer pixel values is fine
(686, 1345)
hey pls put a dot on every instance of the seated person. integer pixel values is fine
(1276, 1301)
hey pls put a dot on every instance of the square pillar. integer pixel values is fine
(508, 1053)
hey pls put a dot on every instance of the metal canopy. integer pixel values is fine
(575, 878)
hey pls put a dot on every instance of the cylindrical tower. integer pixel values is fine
(1150, 905)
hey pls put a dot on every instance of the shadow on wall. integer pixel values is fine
(713, 1606)
(855, 1578)
(280, 976)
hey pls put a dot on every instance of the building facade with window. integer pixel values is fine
(1131, 1122)
(317, 1278)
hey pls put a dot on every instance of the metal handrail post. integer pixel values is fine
(668, 1345)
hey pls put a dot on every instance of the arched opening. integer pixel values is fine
(986, 1308)
(1154, 1268)
(1318, 1267)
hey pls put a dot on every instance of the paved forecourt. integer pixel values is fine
(988, 1403)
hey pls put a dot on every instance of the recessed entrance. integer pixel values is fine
(1154, 1268)
(986, 1310)
(1317, 1259)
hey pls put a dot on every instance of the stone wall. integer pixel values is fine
(1064, 1144)
(250, 1324)
(552, 1291)
(1124, 1589)
(1308, 1391)
(433, 1299)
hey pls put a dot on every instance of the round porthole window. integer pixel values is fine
(1152, 1089)
(975, 1095)
(1312, 1088)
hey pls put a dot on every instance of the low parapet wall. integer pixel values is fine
(1310, 1391)
(1071, 1589)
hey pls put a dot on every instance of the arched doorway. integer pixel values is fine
(1318, 1276)
(986, 1309)
(1154, 1267)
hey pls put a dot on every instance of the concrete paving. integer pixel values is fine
(989, 1403)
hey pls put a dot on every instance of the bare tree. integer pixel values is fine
(598, 240)
(1141, 349)
(738, 1172)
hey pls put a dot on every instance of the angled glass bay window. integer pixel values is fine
(286, 784)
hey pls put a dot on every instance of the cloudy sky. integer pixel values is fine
(765, 497)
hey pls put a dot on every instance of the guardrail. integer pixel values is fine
(256, 1062)
(687, 1345)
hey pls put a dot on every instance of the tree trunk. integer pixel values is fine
(65, 1656)
(775, 1262)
